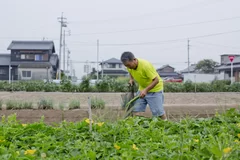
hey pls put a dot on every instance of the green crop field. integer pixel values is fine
(133, 138)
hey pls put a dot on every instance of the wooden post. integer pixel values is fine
(90, 114)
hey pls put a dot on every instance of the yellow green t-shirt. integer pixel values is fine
(144, 75)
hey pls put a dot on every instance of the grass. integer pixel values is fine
(13, 104)
(1, 104)
(74, 104)
(97, 103)
(45, 104)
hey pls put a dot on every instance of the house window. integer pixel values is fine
(23, 56)
(18, 56)
(111, 65)
(45, 57)
(26, 74)
(38, 57)
(3, 71)
(30, 56)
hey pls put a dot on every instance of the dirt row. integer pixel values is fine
(177, 105)
(114, 99)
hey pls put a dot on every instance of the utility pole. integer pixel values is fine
(71, 69)
(188, 46)
(68, 56)
(97, 57)
(63, 23)
(102, 68)
(64, 44)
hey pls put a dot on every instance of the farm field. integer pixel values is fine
(217, 137)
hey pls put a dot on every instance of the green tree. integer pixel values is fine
(206, 66)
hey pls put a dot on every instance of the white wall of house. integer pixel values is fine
(34, 73)
(113, 66)
(197, 77)
(227, 76)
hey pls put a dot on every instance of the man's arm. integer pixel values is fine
(144, 92)
(153, 84)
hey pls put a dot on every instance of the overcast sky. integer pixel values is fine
(156, 30)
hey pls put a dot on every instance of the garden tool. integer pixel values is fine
(130, 105)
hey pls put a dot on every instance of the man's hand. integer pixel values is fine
(143, 93)
(131, 82)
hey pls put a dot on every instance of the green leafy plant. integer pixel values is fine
(217, 137)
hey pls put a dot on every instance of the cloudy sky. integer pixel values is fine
(156, 30)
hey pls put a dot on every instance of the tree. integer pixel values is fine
(206, 66)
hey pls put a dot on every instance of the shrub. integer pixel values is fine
(85, 85)
(104, 85)
(50, 87)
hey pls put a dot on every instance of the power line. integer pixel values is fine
(166, 41)
(217, 45)
(155, 63)
(159, 27)
(203, 2)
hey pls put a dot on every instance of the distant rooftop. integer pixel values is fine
(32, 45)
(192, 68)
(113, 60)
(4, 59)
(164, 66)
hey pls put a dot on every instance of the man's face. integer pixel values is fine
(131, 64)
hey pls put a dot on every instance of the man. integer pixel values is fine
(150, 85)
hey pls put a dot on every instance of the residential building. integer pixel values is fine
(35, 60)
(7, 72)
(225, 67)
(190, 69)
(113, 68)
(168, 71)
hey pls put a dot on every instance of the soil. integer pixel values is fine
(177, 105)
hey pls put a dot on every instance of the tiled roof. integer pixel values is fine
(32, 45)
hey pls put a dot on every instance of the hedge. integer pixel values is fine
(115, 85)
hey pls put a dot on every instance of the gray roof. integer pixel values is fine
(32, 64)
(227, 67)
(164, 66)
(106, 71)
(113, 60)
(191, 68)
(168, 74)
(5, 59)
(32, 45)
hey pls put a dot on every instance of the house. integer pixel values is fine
(167, 71)
(35, 60)
(225, 67)
(113, 68)
(7, 72)
(191, 69)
